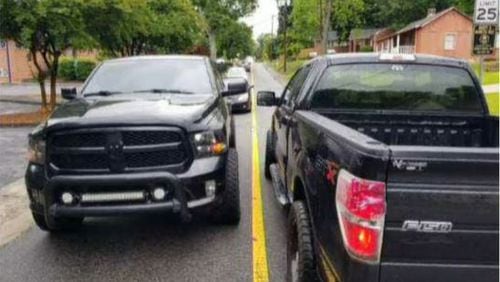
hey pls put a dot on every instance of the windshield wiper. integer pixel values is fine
(160, 90)
(102, 93)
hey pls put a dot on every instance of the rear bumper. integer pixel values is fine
(414, 272)
(44, 193)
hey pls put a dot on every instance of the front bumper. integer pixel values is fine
(186, 190)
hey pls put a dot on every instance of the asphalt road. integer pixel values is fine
(157, 248)
(13, 144)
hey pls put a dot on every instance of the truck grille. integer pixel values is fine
(117, 150)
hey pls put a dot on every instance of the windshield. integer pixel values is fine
(397, 87)
(145, 75)
(236, 72)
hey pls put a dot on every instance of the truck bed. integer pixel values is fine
(401, 129)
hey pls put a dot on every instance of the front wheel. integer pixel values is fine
(228, 211)
(301, 265)
(269, 159)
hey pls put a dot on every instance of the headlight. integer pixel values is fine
(209, 143)
(36, 151)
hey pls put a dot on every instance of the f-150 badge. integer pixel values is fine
(427, 226)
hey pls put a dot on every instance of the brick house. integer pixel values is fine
(447, 33)
(360, 39)
(17, 66)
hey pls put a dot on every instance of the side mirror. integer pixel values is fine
(250, 87)
(68, 93)
(266, 98)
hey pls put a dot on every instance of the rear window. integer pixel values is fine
(396, 87)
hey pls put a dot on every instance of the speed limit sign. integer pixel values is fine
(486, 12)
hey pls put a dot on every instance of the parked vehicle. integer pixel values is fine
(145, 134)
(235, 72)
(389, 166)
(239, 94)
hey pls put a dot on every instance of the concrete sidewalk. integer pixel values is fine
(32, 88)
(491, 88)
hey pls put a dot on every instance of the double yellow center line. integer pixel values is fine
(260, 268)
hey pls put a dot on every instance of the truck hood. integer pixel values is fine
(179, 110)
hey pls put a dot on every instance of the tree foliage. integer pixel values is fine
(235, 40)
(45, 28)
(218, 13)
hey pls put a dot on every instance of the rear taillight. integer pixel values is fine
(361, 210)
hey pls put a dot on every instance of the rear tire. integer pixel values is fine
(269, 159)
(57, 225)
(301, 264)
(228, 211)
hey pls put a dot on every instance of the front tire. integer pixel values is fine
(269, 159)
(228, 211)
(57, 225)
(301, 264)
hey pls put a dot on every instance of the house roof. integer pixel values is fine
(429, 19)
(366, 33)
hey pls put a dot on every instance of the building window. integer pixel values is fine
(450, 41)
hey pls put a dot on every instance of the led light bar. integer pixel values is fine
(113, 197)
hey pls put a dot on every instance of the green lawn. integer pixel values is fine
(489, 77)
(493, 103)
(291, 66)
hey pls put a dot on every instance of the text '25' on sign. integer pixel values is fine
(486, 12)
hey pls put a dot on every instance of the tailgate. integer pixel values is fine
(442, 206)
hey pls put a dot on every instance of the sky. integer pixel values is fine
(261, 19)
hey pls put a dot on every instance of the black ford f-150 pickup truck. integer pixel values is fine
(145, 134)
(389, 164)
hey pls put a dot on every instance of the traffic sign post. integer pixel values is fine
(486, 12)
(485, 25)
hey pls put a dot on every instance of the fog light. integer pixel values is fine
(159, 194)
(210, 188)
(67, 198)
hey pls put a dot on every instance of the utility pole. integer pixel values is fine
(285, 41)
(326, 25)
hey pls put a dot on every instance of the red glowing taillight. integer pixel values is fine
(361, 210)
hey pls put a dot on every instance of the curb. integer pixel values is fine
(277, 76)
(15, 215)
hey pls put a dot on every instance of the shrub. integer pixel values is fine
(76, 69)
(366, 49)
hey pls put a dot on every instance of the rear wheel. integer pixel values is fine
(300, 253)
(56, 225)
(228, 211)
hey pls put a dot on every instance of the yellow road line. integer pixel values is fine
(259, 251)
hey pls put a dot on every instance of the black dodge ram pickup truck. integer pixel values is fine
(145, 134)
(389, 164)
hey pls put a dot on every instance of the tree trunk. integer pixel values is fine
(40, 78)
(53, 81)
(326, 26)
(212, 44)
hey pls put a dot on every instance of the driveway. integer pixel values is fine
(13, 144)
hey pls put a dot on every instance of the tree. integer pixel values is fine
(346, 16)
(235, 40)
(133, 27)
(217, 13)
(46, 28)
(305, 27)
